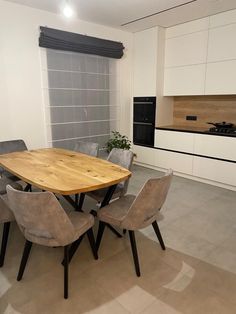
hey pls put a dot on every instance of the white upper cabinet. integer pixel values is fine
(185, 80)
(228, 17)
(186, 49)
(145, 62)
(185, 58)
(221, 78)
(209, 42)
(187, 28)
(222, 43)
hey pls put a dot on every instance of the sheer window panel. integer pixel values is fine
(83, 98)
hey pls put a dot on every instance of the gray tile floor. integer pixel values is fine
(195, 275)
(198, 219)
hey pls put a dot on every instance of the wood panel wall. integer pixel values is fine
(206, 108)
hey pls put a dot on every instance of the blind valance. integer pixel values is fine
(62, 40)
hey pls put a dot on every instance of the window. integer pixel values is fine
(81, 98)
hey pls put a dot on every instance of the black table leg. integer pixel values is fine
(72, 202)
(28, 188)
(105, 202)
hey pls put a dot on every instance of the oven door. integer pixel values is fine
(143, 133)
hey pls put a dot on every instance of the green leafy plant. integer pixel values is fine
(118, 141)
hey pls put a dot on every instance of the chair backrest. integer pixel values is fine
(87, 148)
(123, 158)
(10, 147)
(148, 202)
(40, 217)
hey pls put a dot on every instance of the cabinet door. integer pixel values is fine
(222, 44)
(145, 62)
(215, 146)
(186, 80)
(221, 78)
(178, 141)
(144, 154)
(215, 170)
(188, 49)
(176, 161)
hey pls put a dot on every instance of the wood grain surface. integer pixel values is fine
(63, 171)
(206, 108)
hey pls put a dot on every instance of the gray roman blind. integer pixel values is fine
(61, 40)
(82, 98)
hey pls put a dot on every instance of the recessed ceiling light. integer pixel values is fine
(67, 10)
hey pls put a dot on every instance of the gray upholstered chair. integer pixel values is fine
(123, 158)
(90, 149)
(9, 147)
(136, 212)
(87, 148)
(43, 221)
(6, 216)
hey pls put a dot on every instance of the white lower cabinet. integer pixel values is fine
(179, 141)
(215, 170)
(178, 162)
(215, 146)
(145, 155)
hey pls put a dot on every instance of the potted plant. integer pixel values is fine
(118, 141)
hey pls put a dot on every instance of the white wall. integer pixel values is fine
(21, 100)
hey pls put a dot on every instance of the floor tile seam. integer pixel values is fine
(111, 296)
(146, 307)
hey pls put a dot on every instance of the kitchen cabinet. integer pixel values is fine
(215, 146)
(145, 155)
(186, 80)
(192, 154)
(185, 58)
(187, 49)
(201, 61)
(179, 141)
(221, 43)
(215, 170)
(221, 78)
(145, 62)
(178, 162)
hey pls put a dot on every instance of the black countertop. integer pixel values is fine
(192, 129)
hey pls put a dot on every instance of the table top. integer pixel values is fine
(63, 171)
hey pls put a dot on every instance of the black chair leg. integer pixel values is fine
(28, 188)
(114, 231)
(5, 234)
(101, 228)
(76, 198)
(66, 267)
(73, 248)
(135, 252)
(81, 201)
(124, 231)
(92, 243)
(158, 234)
(24, 259)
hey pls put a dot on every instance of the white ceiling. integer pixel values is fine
(136, 14)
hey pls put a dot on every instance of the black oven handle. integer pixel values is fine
(143, 123)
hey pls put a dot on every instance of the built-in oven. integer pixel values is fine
(144, 112)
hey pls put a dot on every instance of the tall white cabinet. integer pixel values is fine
(145, 62)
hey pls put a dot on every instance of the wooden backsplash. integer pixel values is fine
(206, 108)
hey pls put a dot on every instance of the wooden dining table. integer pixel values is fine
(64, 172)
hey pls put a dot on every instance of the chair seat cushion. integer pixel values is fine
(6, 215)
(99, 195)
(115, 212)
